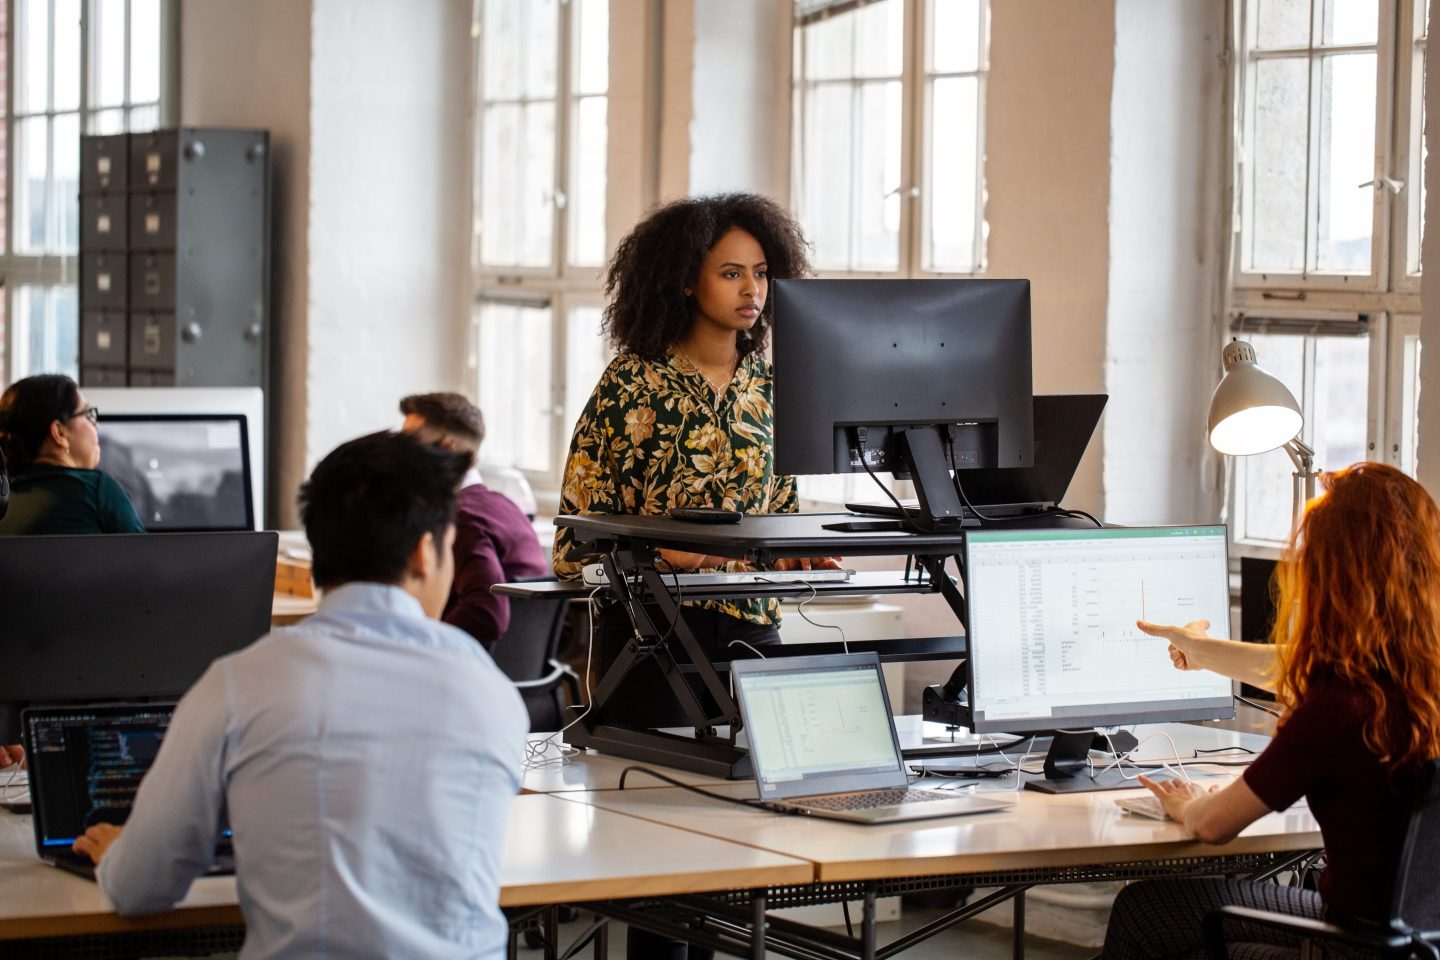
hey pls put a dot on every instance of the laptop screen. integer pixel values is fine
(86, 764)
(818, 725)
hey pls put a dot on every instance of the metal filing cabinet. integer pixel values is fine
(175, 258)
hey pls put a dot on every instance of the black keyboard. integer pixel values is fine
(871, 799)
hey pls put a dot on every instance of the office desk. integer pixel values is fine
(1040, 839)
(556, 852)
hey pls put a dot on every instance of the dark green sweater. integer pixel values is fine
(46, 499)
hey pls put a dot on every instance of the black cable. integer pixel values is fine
(664, 778)
(1078, 513)
(906, 520)
(1258, 706)
(960, 491)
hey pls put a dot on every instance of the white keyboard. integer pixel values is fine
(1143, 807)
(594, 575)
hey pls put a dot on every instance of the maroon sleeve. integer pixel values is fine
(1287, 769)
(473, 608)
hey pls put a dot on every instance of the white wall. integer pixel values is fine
(1047, 175)
(388, 208)
(367, 101)
(740, 95)
(248, 65)
(1166, 205)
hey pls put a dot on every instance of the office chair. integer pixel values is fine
(1413, 929)
(527, 652)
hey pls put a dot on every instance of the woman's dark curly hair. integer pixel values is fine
(648, 311)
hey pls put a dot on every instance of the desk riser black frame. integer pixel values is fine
(629, 546)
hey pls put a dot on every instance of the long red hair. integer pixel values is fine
(1358, 602)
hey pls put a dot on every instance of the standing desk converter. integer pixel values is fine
(628, 544)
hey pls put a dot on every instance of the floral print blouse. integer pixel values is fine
(655, 435)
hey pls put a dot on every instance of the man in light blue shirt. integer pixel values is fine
(365, 757)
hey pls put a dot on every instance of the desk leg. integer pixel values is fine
(757, 933)
(602, 940)
(1019, 926)
(867, 924)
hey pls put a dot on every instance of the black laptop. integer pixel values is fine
(1063, 426)
(86, 763)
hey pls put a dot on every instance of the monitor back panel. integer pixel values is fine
(128, 615)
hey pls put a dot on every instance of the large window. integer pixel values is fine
(1325, 256)
(888, 115)
(541, 109)
(101, 66)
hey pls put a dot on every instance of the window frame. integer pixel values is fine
(561, 286)
(1388, 299)
(916, 86)
(49, 269)
(1245, 35)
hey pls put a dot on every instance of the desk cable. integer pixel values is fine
(535, 751)
(665, 778)
(844, 643)
(20, 794)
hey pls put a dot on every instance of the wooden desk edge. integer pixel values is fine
(701, 880)
(107, 921)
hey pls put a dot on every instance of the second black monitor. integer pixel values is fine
(889, 355)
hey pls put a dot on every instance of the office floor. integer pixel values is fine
(974, 941)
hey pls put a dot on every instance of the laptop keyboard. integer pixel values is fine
(871, 799)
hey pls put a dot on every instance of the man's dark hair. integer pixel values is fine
(648, 311)
(452, 413)
(28, 409)
(370, 501)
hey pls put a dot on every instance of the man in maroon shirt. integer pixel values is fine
(494, 542)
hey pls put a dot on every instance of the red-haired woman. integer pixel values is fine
(1356, 664)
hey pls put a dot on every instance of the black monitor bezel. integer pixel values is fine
(1214, 711)
(248, 468)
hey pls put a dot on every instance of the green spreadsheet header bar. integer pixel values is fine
(1105, 533)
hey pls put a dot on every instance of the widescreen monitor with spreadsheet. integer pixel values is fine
(1052, 635)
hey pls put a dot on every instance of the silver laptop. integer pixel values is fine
(822, 742)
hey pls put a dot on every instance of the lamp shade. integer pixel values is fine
(1251, 411)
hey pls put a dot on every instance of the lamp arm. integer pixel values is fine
(1303, 456)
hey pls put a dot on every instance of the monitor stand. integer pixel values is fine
(1067, 766)
(939, 509)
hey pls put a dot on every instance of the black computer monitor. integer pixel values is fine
(1052, 635)
(182, 471)
(920, 377)
(122, 616)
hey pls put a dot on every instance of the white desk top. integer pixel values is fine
(594, 771)
(556, 852)
(1039, 831)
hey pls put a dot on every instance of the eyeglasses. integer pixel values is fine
(89, 413)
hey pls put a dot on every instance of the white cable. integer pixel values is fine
(535, 750)
(800, 609)
(742, 643)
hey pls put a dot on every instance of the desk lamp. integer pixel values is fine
(1252, 412)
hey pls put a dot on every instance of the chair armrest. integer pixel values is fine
(542, 683)
(1214, 929)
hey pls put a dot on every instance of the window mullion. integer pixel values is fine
(913, 95)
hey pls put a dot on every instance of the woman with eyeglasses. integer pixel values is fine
(50, 451)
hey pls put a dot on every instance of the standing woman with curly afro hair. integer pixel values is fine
(682, 416)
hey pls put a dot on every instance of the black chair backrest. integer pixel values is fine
(532, 639)
(1417, 880)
